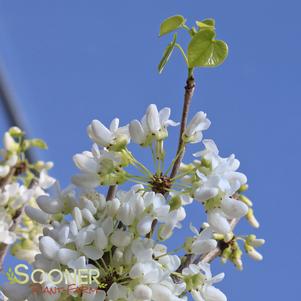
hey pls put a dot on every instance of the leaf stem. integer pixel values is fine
(183, 52)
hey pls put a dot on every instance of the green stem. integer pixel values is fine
(183, 53)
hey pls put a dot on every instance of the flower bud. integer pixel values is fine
(15, 131)
(253, 253)
(226, 254)
(252, 219)
(234, 208)
(243, 188)
(9, 143)
(37, 215)
(49, 247)
(101, 240)
(246, 200)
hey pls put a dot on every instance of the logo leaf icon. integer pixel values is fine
(11, 276)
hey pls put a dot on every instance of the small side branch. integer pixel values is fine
(189, 90)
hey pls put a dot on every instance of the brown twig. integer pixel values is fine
(189, 90)
(111, 192)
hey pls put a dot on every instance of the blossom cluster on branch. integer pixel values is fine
(122, 236)
(21, 183)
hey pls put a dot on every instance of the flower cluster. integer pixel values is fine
(21, 183)
(122, 235)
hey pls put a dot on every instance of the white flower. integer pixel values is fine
(218, 221)
(37, 215)
(121, 238)
(6, 236)
(96, 166)
(16, 292)
(222, 176)
(45, 181)
(49, 247)
(61, 201)
(204, 242)
(233, 208)
(117, 292)
(194, 130)
(152, 126)
(217, 183)
(205, 291)
(115, 137)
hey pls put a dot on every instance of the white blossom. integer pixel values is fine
(152, 126)
(194, 130)
(204, 290)
(109, 137)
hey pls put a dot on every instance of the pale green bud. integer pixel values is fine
(186, 168)
(218, 236)
(15, 131)
(229, 237)
(236, 257)
(243, 188)
(254, 242)
(253, 253)
(252, 219)
(226, 254)
(246, 200)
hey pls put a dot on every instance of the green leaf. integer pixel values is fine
(204, 51)
(170, 24)
(209, 22)
(38, 143)
(203, 25)
(167, 53)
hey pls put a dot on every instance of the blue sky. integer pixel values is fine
(68, 62)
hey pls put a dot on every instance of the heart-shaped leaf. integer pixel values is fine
(170, 24)
(167, 53)
(204, 51)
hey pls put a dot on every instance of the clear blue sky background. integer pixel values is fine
(68, 62)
